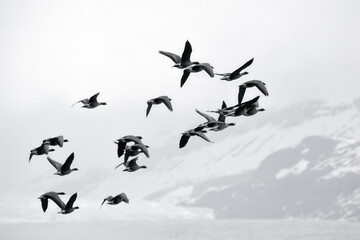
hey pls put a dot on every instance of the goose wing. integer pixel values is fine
(166, 100)
(121, 148)
(208, 118)
(185, 57)
(260, 85)
(207, 68)
(94, 98)
(202, 135)
(56, 199)
(56, 164)
(241, 93)
(183, 140)
(59, 141)
(184, 77)
(44, 203)
(175, 58)
(109, 198)
(237, 71)
(123, 197)
(84, 101)
(71, 201)
(68, 162)
(149, 103)
(132, 163)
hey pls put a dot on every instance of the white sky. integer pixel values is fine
(54, 53)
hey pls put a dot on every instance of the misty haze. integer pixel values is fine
(179, 120)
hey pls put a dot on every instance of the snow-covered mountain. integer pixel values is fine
(304, 162)
(299, 162)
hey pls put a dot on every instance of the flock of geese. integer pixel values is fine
(131, 146)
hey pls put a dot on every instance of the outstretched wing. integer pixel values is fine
(56, 164)
(183, 140)
(84, 101)
(56, 199)
(184, 77)
(68, 162)
(207, 68)
(166, 100)
(94, 98)
(124, 197)
(71, 201)
(260, 85)
(186, 53)
(44, 203)
(175, 58)
(237, 71)
(208, 118)
(148, 108)
(202, 135)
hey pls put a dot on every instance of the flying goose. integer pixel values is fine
(41, 150)
(92, 102)
(131, 166)
(221, 119)
(237, 73)
(56, 141)
(65, 208)
(121, 142)
(211, 122)
(136, 149)
(252, 83)
(53, 196)
(184, 60)
(196, 67)
(63, 169)
(192, 132)
(162, 99)
(116, 200)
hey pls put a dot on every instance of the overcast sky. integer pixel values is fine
(54, 53)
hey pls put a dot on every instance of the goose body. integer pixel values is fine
(63, 169)
(56, 141)
(252, 83)
(43, 149)
(237, 73)
(192, 132)
(162, 99)
(196, 67)
(131, 166)
(136, 149)
(91, 102)
(116, 200)
(121, 142)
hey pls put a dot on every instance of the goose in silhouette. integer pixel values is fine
(69, 208)
(136, 149)
(211, 122)
(65, 208)
(41, 150)
(92, 102)
(252, 83)
(192, 132)
(252, 109)
(184, 60)
(56, 141)
(237, 73)
(53, 196)
(196, 67)
(131, 166)
(121, 142)
(221, 119)
(63, 169)
(116, 200)
(162, 99)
